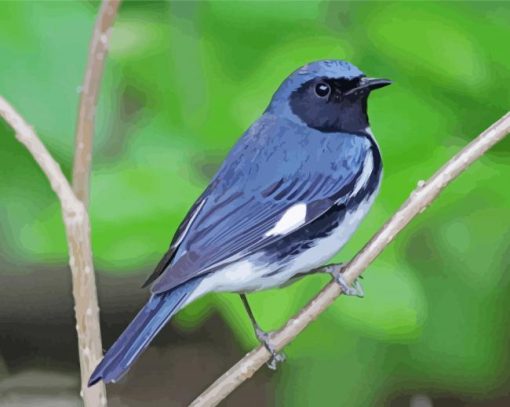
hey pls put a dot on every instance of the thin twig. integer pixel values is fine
(88, 99)
(419, 200)
(84, 288)
(77, 227)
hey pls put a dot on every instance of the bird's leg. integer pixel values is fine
(263, 336)
(336, 271)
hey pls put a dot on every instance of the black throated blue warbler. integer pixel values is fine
(288, 196)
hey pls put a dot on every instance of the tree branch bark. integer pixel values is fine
(88, 99)
(418, 201)
(80, 252)
(77, 228)
(74, 204)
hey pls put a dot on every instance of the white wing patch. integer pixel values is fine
(293, 218)
(368, 168)
(190, 222)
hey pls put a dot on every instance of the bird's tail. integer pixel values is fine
(140, 332)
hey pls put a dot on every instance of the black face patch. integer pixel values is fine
(335, 113)
(344, 85)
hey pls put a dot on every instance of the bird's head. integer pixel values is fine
(330, 96)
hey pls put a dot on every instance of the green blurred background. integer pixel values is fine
(183, 80)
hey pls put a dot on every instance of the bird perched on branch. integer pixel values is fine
(288, 196)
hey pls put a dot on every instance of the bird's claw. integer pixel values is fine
(355, 290)
(276, 357)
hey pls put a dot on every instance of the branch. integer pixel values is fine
(419, 200)
(78, 233)
(88, 100)
(77, 227)
(74, 210)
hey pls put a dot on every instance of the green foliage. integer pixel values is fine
(184, 79)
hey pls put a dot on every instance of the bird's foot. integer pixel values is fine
(276, 357)
(336, 272)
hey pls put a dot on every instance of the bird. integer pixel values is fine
(286, 199)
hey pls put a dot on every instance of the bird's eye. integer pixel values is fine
(322, 89)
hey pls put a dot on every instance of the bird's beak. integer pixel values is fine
(370, 84)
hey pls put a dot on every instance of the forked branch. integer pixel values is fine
(74, 210)
(77, 227)
(419, 200)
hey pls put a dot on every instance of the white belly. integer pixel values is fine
(252, 275)
(327, 247)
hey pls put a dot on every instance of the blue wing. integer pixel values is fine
(273, 167)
